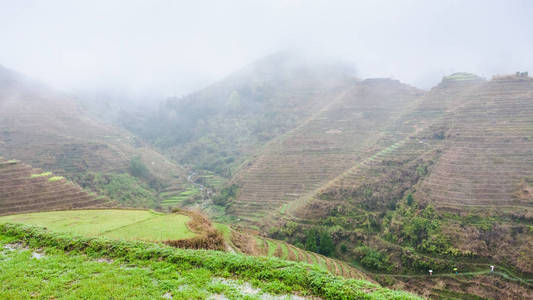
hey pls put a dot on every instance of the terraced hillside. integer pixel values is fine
(47, 129)
(25, 189)
(452, 189)
(488, 156)
(219, 127)
(457, 158)
(413, 139)
(344, 131)
(486, 170)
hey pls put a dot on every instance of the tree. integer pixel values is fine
(311, 241)
(410, 199)
(326, 245)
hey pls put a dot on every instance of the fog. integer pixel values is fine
(171, 48)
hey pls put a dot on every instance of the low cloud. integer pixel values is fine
(174, 47)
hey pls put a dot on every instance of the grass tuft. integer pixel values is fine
(55, 178)
(44, 174)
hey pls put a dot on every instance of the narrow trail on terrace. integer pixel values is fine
(506, 275)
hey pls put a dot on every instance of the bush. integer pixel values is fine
(55, 178)
(410, 199)
(436, 244)
(344, 248)
(375, 260)
(417, 228)
(311, 240)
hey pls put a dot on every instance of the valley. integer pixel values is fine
(368, 182)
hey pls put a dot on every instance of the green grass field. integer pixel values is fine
(112, 223)
(60, 275)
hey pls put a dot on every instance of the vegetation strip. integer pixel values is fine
(287, 276)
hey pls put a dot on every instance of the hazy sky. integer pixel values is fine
(173, 47)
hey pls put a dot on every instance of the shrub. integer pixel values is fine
(410, 199)
(375, 260)
(344, 248)
(325, 245)
(311, 240)
(437, 244)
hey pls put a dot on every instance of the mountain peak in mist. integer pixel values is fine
(289, 63)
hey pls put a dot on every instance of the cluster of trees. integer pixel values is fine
(315, 239)
(421, 228)
(226, 195)
(319, 241)
(374, 259)
(124, 188)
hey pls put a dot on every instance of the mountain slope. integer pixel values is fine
(218, 127)
(322, 147)
(47, 129)
(453, 190)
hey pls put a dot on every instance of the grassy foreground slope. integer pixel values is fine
(65, 266)
(191, 229)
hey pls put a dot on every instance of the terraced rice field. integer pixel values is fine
(113, 223)
(25, 189)
(274, 248)
(483, 134)
(172, 197)
(320, 149)
(489, 150)
(477, 138)
(479, 134)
